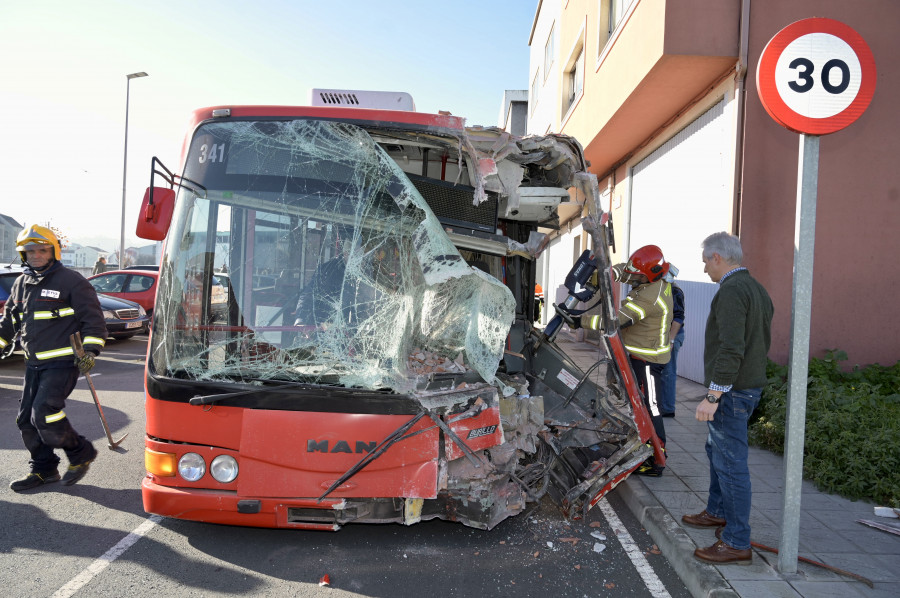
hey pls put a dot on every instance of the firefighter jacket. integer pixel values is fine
(646, 317)
(46, 309)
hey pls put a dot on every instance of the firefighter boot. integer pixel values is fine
(78, 471)
(650, 468)
(33, 480)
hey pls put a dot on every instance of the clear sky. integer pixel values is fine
(63, 86)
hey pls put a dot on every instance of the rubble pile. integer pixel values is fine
(423, 362)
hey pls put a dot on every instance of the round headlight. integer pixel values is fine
(224, 469)
(191, 467)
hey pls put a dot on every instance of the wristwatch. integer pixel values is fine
(712, 398)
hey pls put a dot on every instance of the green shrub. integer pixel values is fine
(852, 443)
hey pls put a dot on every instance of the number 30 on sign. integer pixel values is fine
(816, 76)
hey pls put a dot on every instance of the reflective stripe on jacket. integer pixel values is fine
(46, 310)
(647, 313)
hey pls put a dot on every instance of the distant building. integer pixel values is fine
(9, 230)
(67, 255)
(514, 112)
(86, 257)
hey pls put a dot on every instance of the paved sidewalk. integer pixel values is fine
(829, 532)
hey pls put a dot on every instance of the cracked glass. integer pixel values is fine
(300, 252)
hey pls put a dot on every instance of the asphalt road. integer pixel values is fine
(94, 538)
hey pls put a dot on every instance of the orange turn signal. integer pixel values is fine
(161, 464)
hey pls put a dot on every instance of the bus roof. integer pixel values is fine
(401, 117)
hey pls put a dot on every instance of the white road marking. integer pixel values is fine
(648, 575)
(106, 559)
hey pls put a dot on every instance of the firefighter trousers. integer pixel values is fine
(649, 378)
(44, 424)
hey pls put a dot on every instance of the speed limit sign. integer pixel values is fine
(816, 76)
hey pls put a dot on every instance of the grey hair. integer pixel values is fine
(726, 245)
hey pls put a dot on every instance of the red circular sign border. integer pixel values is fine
(779, 110)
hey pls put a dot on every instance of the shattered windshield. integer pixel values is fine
(310, 256)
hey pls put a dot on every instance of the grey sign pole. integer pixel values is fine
(804, 249)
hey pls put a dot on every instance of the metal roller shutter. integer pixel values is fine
(680, 194)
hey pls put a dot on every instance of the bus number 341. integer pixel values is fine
(216, 153)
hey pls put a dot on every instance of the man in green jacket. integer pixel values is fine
(738, 335)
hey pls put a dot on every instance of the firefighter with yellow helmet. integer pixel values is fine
(46, 305)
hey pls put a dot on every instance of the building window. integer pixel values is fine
(534, 90)
(573, 82)
(609, 14)
(549, 51)
(617, 10)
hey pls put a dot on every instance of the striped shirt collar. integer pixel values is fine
(730, 272)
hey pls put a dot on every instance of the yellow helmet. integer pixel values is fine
(35, 235)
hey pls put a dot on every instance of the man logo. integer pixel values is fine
(340, 446)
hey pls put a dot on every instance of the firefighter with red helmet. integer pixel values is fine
(645, 318)
(46, 305)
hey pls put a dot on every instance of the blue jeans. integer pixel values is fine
(670, 376)
(729, 474)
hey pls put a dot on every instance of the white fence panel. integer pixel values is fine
(697, 299)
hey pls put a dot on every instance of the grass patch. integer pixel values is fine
(852, 444)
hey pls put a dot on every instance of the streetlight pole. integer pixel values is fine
(125, 167)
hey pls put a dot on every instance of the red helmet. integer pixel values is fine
(649, 261)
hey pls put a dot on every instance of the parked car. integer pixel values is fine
(124, 318)
(134, 285)
(8, 275)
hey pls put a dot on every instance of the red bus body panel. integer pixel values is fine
(288, 459)
(276, 460)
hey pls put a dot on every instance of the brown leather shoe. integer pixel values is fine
(723, 554)
(703, 519)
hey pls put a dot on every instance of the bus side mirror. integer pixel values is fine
(156, 213)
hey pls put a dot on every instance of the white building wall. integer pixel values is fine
(67, 257)
(542, 113)
(557, 263)
(681, 192)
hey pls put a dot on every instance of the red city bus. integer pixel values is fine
(344, 327)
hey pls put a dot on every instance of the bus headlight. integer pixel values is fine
(191, 467)
(224, 469)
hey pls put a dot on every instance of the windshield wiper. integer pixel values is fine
(282, 385)
(394, 437)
